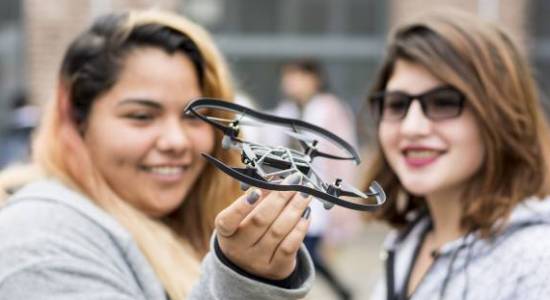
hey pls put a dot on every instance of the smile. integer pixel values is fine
(165, 170)
(166, 173)
(421, 157)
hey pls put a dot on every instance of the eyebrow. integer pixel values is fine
(144, 102)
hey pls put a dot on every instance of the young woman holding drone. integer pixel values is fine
(464, 158)
(125, 205)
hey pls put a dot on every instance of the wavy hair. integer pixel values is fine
(480, 59)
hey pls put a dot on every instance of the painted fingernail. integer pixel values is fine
(293, 179)
(252, 197)
(304, 195)
(306, 213)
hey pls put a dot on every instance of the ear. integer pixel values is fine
(66, 109)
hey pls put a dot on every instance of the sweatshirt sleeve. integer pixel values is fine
(219, 281)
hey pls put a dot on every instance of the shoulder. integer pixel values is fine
(49, 206)
(40, 223)
(329, 107)
(517, 256)
(47, 240)
(326, 101)
(527, 230)
(531, 242)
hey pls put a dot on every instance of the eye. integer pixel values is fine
(446, 99)
(140, 116)
(443, 104)
(191, 119)
(395, 102)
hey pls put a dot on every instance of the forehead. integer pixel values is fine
(148, 63)
(411, 77)
(151, 73)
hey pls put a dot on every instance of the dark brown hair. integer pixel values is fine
(480, 60)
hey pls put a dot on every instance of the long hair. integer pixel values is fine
(480, 60)
(174, 245)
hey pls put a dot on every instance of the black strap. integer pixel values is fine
(292, 281)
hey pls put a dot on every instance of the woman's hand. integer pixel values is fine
(262, 231)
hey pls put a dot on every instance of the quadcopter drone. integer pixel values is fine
(266, 166)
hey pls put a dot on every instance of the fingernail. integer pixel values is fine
(252, 197)
(304, 195)
(306, 213)
(293, 179)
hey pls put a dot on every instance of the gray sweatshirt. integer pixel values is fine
(514, 265)
(56, 244)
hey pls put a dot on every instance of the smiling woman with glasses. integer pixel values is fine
(463, 155)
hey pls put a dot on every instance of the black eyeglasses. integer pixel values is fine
(440, 103)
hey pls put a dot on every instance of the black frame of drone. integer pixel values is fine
(296, 161)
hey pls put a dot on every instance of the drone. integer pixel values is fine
(266, 166)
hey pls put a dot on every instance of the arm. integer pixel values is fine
(220, 281)
(260, 234)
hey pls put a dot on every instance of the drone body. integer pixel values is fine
(266, 166)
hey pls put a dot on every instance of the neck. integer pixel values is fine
(303, 99)
(446, 210)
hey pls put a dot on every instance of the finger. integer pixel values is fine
(264, 214)
(228, 220)
(285, 223)
(284, 258)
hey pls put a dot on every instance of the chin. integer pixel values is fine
(418, 187)
(164, 207)
(159, 212)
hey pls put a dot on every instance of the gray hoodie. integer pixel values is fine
(56, 244)
(514, 265)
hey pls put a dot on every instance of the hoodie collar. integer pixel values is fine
(530, 212)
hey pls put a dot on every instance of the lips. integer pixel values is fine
(421, 157)
(166, 173)
(165, 170)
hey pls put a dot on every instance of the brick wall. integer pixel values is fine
(511, 14)
(49, 27)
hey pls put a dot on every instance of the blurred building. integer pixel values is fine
(257, 36)
(11, 57)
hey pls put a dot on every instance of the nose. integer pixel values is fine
(415, 123)
(173, 137)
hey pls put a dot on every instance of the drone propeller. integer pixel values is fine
(294, 125)
(250, 177)
(267, 166)
(301, 137)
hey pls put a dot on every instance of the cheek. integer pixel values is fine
(467, 138)
(388, 139)
(474, 149)
(117, 145)
(203, 138)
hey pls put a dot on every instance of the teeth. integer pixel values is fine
(421, 153)
(166, 170)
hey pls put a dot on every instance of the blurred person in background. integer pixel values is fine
(125, 206)
(306, 96)
(463, 157)
(22, 119)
